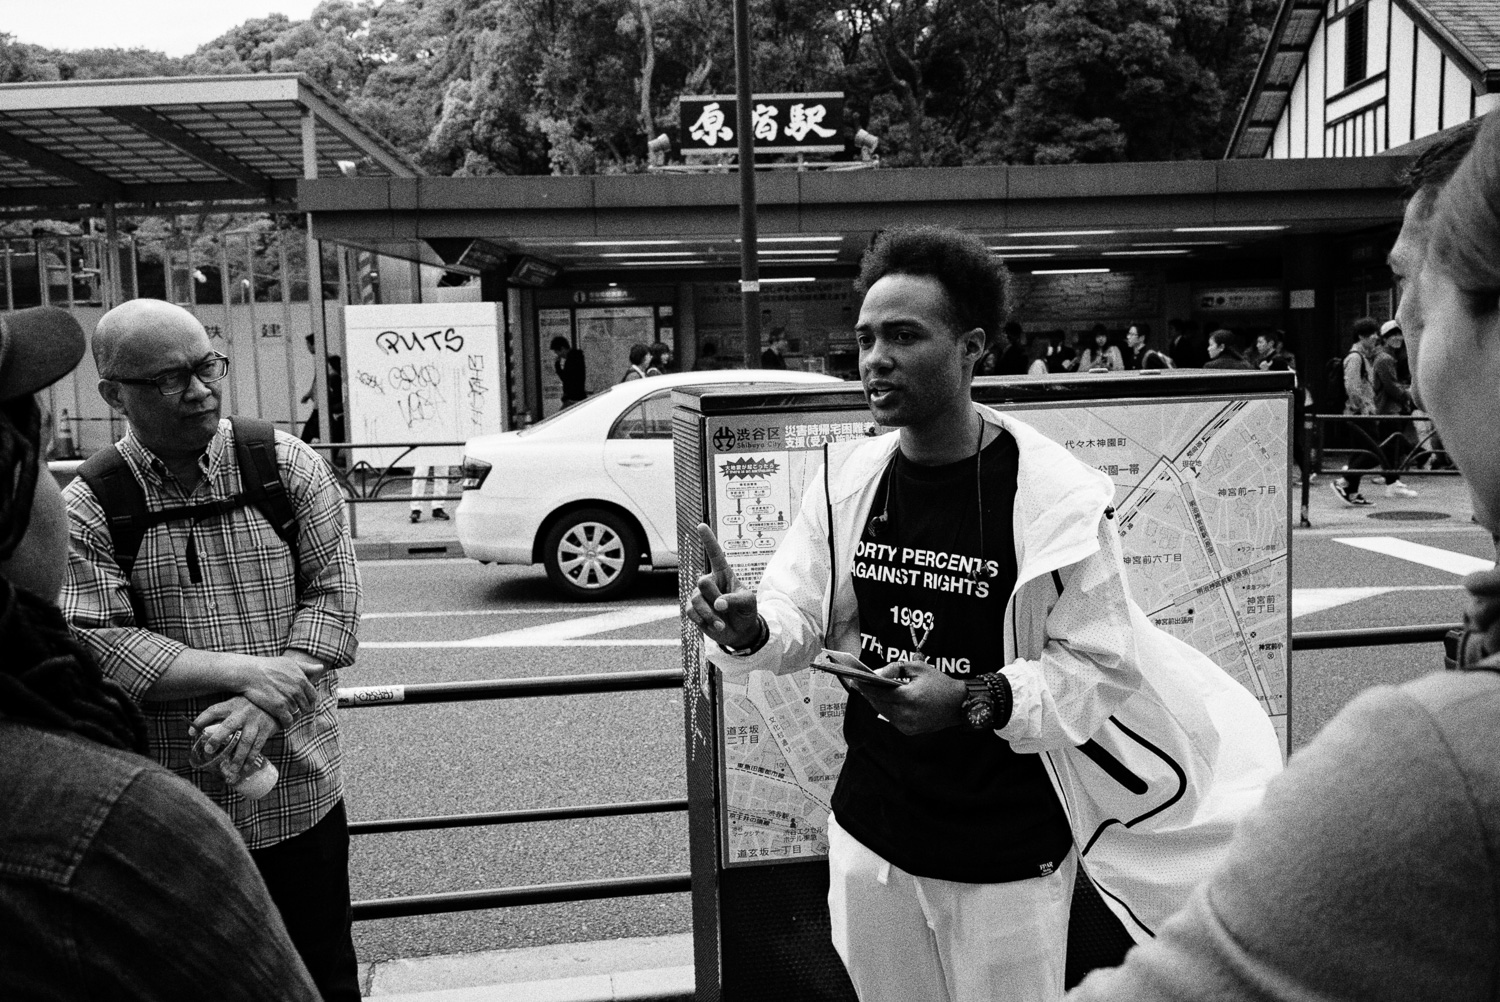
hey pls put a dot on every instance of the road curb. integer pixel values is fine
(665, 984)
(402, 549)
(640, 969)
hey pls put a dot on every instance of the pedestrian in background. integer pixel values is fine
(708, 358)
(1359, 399)
(1188, 348)
(1100, 356)
(639, 355)
(661, 359)
(1142, 356)
(774, 357)
(1222, 353)
(572, 368)
(1272, 356)
(1014, 357)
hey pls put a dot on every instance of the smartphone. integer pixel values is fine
(825, 662)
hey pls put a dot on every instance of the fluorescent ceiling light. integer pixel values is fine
(1070, 271)
(798, 250)
(1032, 247)
(1064, 233)
(1146, 253)
(1227, 229)
(652, 264)
(686, 253)
(799, 278)
(1182, 243)
(795, 240)
(627, 243)
(1012, 257)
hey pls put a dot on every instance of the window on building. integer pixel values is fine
(1356, 45)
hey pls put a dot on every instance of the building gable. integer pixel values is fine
(1346, 78)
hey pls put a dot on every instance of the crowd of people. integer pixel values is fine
(171, 798)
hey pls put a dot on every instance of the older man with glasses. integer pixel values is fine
(224, 624)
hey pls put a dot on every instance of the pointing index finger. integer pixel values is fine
(718, 564)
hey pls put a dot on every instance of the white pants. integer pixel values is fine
(434, 484)
(914, 939)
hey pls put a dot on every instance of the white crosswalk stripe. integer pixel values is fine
(566, 633)
(1419, 553)
(1306, 601)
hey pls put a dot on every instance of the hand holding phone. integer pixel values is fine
(850, 667)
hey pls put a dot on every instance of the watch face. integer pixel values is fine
(980, 713)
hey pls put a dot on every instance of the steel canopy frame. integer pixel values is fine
(203, 140)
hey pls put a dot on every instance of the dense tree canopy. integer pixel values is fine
(580, 86)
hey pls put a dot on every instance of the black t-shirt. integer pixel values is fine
(955, 804)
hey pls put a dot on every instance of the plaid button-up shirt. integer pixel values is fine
(238, 596)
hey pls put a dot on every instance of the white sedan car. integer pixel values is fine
(589, 492)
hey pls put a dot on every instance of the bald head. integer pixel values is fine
(133, 334)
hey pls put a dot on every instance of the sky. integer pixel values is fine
(175, 27)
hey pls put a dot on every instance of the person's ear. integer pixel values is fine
(973, 344)
(110, 391)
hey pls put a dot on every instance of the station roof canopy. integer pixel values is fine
(230, 141)
(820, 222)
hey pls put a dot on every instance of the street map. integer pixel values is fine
(1202, 506)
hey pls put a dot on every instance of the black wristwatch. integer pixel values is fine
(979, 705)
(987, 705)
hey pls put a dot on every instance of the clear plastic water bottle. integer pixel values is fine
(256, 781)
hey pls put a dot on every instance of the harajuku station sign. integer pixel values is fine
(780, 123)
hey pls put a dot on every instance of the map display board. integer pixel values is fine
(423, 372)
(1203, 509)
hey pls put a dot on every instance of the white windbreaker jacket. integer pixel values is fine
(1154, 751)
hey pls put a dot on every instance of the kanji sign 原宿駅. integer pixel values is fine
(780, 123)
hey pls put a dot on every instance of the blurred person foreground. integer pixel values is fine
(1369, 872)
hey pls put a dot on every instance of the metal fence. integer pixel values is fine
(1370, 445)
(571, 685)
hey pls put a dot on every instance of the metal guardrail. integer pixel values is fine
(1421, 452)
(363, 482)
(1326, 640)
(660, 883)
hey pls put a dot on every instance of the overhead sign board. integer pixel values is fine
(1259, 300)
(780, 123)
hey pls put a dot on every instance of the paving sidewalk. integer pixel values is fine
(383, 530)
(646, 969)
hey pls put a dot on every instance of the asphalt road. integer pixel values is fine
(512, 754)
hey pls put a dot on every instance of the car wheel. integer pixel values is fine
(592, 554)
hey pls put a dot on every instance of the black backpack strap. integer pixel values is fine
(123, 500)
(260, 480)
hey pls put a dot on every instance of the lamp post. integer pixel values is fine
(749, 260)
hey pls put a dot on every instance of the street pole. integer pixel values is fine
(749, 257)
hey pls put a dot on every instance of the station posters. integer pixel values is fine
(1203, 508)
(425, 372)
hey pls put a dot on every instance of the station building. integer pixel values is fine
(1289, 231)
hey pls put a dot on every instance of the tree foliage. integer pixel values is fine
(475, 87)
